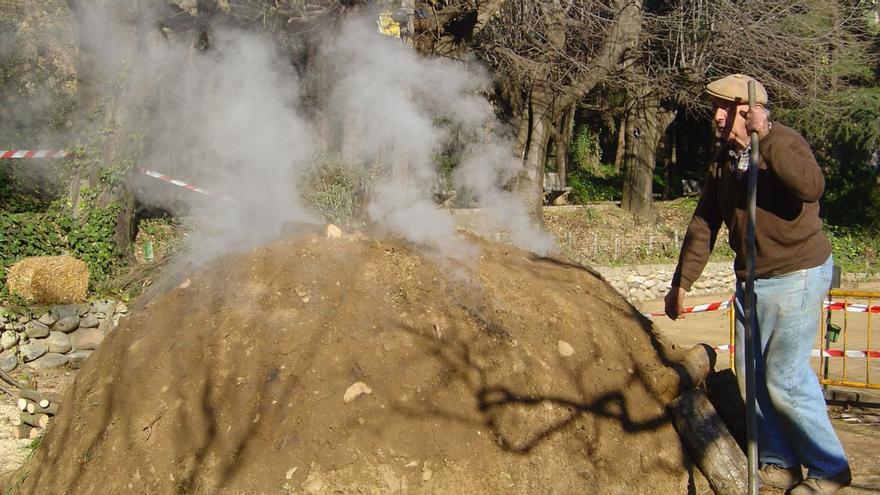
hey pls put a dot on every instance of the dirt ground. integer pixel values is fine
(858, 428)
(317, 365)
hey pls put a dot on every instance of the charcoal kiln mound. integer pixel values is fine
(315, 365)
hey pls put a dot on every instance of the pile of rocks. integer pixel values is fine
(55, 336)
(640, 283)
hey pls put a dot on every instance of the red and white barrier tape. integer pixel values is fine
(25, 154)
(702, 308)
(816, 352)
(851, 308)
(179, 183)
(833, 306)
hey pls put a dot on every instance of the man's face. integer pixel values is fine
(730, 121)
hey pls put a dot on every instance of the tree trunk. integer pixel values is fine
(562, 145)
(542, 117)
(621, 141)
(645, 126)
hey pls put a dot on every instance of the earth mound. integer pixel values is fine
(316, 365)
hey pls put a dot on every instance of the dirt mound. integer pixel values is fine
(519, 375)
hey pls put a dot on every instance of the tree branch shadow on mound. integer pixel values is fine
(494, 400)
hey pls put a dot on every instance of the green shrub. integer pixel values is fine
(584, 150)
(339, 191)
(604, 185)
(54, 232)
(854, 251)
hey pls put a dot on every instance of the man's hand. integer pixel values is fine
(756, 120)
(674, 302)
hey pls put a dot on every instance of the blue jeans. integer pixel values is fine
(793, 424)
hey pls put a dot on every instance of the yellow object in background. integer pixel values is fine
(387, 25)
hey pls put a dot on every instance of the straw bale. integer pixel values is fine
(49, 279)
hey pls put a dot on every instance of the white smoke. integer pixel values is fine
(230, 119)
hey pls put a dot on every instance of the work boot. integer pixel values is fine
(823, 486)
(779, 477)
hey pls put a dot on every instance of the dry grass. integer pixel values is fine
(49, 279)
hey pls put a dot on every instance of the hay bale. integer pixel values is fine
(49, 279)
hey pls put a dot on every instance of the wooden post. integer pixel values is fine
(711, 445)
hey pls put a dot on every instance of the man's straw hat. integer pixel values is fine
(735, 88)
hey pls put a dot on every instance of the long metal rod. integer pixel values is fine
(749, 309)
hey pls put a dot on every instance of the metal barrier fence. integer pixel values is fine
(830, 333)
(841, 342)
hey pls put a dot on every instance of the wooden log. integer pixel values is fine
(34, 433)
(723, 393)
(51, 410)
(31, 395)
(21, 431)
(710, 444)
(22, 404)
(35, 420)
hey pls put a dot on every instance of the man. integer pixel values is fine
(792, 274)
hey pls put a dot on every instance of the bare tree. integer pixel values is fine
(547, 56)
(790, 46)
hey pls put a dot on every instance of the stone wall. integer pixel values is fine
(55, 336)
(640, 283)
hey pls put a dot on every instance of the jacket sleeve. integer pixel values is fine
(790, 159)
(700, 238)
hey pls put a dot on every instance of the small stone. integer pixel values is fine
(33, 350)
(67, 324)
(289, 474)
(121, 308)
(8, 340)
(8, 361)
(49, 360)
(59, 342)
(48, 319)
(356, 390)
(24, 318)
(333, 232)
(86, 339)
(76, 359)
(36, 330)
(89, 322)
(565, 349)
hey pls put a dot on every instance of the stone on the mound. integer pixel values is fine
(67, 324)
(36, 330)
(24, 318)
(86, 339)
(89, 322)
(77, 358)
(33, 350)
(121, 308)
(565, 349)
(48, 319)
(8, 340)
(8, 361)
(356, 390)
(48, 361)
(59, 342)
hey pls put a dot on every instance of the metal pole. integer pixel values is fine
(749, 310)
